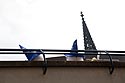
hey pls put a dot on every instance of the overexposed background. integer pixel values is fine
(55, 24)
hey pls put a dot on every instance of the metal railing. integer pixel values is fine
(59, 51)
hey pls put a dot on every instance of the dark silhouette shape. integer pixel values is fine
(88, 42)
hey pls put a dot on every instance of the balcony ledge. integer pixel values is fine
(61, 64)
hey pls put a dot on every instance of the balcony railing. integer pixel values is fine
(59, 51)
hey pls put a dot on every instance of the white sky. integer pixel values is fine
(55, 24)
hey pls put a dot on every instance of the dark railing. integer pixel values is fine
(59, 51)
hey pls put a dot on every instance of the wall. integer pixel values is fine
(83, 74)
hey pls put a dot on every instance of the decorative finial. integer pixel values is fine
(82, 14)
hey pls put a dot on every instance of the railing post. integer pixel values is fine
(45, 63)
(111, 69)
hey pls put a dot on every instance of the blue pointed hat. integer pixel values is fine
(30, 57)
(74, 47)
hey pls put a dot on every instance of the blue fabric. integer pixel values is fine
(30, 57)
(74, 47)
